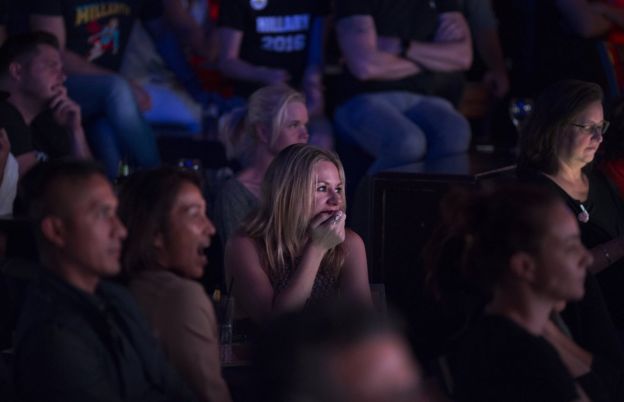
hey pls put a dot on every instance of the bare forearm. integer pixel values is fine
(73, 63)
(384, 66)
(606, 254)
(186, 28)
(80, 146)
(26, 161)
(441, 57)
(241, 70)
(301, 282)
(364, 57)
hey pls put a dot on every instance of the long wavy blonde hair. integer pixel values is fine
(280, 225)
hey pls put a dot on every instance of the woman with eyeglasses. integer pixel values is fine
(557, 147)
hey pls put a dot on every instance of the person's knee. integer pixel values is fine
(119, 90)
(359, 110)
(364, 119)
(408, 148)
(452, 137)
(459, 134)
(411, 147)
(343, 121)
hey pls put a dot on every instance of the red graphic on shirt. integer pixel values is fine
(104, 39)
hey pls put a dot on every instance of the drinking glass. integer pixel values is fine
(226, 324)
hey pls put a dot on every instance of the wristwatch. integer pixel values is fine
(41, 156)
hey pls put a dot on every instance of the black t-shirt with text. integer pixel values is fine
(98, 29)
(276, 33)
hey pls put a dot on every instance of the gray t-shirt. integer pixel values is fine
(234, 202)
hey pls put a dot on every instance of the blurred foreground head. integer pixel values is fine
(336, 352)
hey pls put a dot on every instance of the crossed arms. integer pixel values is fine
(372, 57)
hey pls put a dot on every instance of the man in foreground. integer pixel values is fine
(80, 337)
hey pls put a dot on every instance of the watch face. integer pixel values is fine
(41, 156)
(258, 4)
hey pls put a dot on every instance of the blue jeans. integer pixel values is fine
(398, 128)
(171, 105)
(114, 125)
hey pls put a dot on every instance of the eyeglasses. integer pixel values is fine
(593, 129)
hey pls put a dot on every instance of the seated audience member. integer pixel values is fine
(294, 249)
(277, 42)
(168, 232)
(548, 41)
(275, 117)
(9, 175)
(81, 337)
(336, 352)
(393, 51)
(93, 38)
(484, 29)
(457, 301)
(160, 65)
(271, 43)
(31, 85)
(557, 145)
(521, 247)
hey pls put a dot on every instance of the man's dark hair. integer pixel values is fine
(41, 186)
(19, 47)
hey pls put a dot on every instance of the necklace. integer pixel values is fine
(583, 216)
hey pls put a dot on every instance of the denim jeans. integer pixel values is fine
(398, 128)
(172, 106)
(114, 125)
